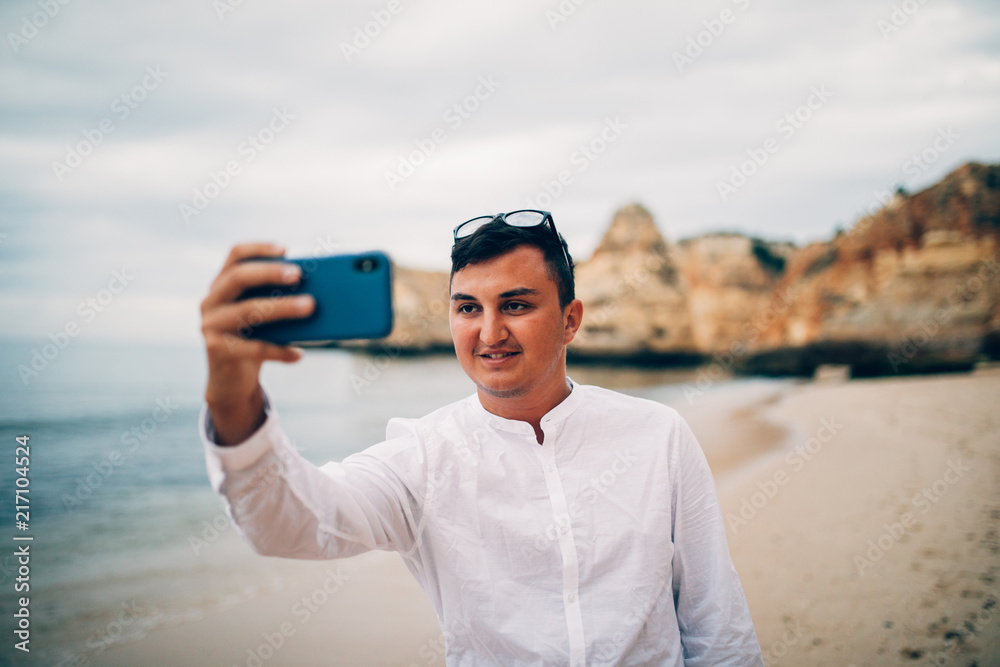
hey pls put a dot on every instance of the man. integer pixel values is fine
(549, 522)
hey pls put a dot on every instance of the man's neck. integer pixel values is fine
(530, 408)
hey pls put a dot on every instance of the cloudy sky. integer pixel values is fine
(146, 138)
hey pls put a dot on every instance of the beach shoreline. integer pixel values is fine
(826, 471)
(871, 538)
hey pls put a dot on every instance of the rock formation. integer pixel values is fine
(635, 301)
(913, 287)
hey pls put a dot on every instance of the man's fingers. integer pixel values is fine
(246, 250)
(226, 322)
(289, 354)
(271, 352)
(235, 259)
(257, 349)
(241, 316)
(232, 282)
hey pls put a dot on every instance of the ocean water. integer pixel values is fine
(127, 535)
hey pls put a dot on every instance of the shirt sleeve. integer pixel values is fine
(712, 612)
(283, 505)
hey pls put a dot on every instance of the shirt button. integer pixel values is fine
(550, 467)
(571, 597)
(563, 530)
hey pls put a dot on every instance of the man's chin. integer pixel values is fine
(500, 390)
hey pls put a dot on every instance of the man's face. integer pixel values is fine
(510, 333)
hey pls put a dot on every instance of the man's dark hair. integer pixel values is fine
(497, 238)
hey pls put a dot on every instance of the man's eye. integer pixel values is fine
(466, 308)
(516, 306)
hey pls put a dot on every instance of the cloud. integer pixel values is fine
(323, 176)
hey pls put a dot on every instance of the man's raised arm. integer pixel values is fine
(282, 504)
(234, 396)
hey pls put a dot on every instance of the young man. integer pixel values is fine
(549, 522)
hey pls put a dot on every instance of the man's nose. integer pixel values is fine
(493, 331)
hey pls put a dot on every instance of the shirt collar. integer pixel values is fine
(553, 416)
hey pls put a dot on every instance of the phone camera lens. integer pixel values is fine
(366, 264)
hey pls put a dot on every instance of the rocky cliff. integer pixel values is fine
(635, 299)
(913, 287)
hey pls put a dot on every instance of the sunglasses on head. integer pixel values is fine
(522, 218)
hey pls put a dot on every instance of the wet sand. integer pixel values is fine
(863, 518)
(876, 541)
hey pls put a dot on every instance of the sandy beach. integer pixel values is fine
(875, 540)
(863, 518)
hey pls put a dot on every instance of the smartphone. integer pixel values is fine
(353, 295)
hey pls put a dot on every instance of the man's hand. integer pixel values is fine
(234, 396)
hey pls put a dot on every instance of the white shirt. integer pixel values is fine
(604, 545)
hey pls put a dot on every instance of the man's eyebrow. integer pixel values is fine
(520, 291)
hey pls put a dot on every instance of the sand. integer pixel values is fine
(883, 547)
(863, 520)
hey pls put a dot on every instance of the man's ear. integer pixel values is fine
(572, 319)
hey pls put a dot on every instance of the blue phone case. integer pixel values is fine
(353, 296)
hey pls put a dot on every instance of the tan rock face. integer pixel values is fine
(919, 278)
(634, 301)
(632, 231)
(731, 281)
(421, 299)
(914, 285)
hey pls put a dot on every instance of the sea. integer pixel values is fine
(125, 533)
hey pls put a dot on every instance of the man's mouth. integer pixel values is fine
(498, 355)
